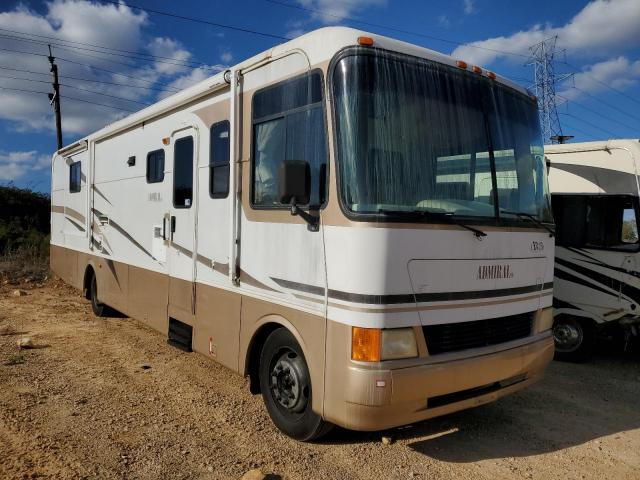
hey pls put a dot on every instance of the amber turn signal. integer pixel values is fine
(476, 69)
(461, 64)
(365, 344)
(165, 141)
(491, 75)
(366, 41)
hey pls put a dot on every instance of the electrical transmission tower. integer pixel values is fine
(545, 80)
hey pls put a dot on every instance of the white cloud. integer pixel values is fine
(619, 73)
(108, 25)
(226, 57)
(334, 11)
(600, 27)
(166, 47)
(14, 165)
(444, 21)
(187, 80)
(469, 6)
(102, 24)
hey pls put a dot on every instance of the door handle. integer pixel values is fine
(173, 226)
(164, 228)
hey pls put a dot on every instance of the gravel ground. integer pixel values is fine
(108, 398)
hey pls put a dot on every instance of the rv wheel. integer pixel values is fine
(99, 308)
(286, 388)
(574, 339)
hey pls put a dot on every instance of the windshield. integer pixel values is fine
(414, 135)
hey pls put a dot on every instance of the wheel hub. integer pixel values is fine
(568, 336)
(287, 385)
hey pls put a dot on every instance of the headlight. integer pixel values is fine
(374, 344)
(398, 343)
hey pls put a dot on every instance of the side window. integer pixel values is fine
(75, 177)
(288, 124)
(219, 160)
(155, 166)
(569, 212)
(183, 173)
(596, 221)
(629, 232)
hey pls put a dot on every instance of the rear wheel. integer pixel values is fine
(574, 339)
(99, 308)
(286, 388)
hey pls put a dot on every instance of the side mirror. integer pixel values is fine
(294, 187)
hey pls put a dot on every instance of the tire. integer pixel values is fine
(574, 339)
(286, 388)
(99, 308)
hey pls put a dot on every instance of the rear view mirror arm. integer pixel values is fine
(313, 222)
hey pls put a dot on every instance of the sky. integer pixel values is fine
(598, 42)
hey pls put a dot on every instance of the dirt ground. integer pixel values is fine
(108, 398)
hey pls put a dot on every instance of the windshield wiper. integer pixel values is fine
(448, 217)
(532, 219)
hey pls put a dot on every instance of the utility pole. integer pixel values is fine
(545, 80)
(54, 98)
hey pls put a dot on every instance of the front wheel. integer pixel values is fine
(574, 339)
(286, 388)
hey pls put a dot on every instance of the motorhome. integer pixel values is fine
(356, 224)
(594, 190)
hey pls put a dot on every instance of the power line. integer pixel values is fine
(24, 71)
(613, 107)
(588, 109)
(22, 90)
(608, 132)
(606, 85)
(68, 98)
(93, 80)
(167, 89)
(586, 134)
(24, 79)
(74, 87)
(137, 57)
(25, 53)
(105, 94)
(93, 45)
(394, 29)
(198, 20)
(90, 66)
(115, 73)
(99, 104)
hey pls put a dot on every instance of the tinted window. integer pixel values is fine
(183, 173)
(155, 166)
(75, 177)
(596, 221)
(413, 136)
(288, 95)
(219, 160)
(289, 124)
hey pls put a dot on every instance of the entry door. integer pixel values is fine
(180, 223)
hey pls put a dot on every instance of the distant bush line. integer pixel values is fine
(24, 224)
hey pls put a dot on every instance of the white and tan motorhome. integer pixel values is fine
(355, 223)
(594, 187)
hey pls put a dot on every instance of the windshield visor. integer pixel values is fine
(414, 135)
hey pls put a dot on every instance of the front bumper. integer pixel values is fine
(375, 399)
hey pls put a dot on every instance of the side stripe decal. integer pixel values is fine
(410, 297)
(632, 292)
